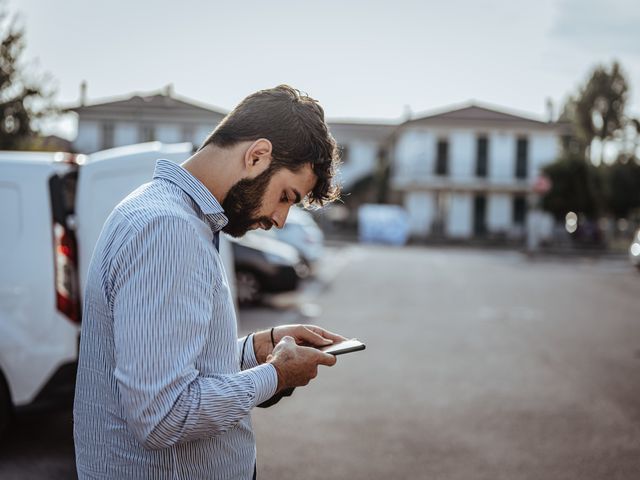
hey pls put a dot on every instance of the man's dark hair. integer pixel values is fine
(294, 124)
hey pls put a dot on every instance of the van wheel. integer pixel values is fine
(6, 408)
(248, 287)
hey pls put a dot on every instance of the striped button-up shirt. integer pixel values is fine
(160, 393)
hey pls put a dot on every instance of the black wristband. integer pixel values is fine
(244, 346)
(273, 342)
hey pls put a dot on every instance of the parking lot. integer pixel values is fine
(479, 365)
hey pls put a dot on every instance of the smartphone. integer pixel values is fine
(347, 346)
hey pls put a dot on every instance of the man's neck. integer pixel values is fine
(216, 168)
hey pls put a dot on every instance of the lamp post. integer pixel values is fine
(541, 185)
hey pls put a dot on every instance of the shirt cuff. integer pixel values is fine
(265, 380)
(249, 360)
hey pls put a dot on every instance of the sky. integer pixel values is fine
(369, 60)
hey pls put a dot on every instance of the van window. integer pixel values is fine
(10, 214)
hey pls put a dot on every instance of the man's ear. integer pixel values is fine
(257, 158)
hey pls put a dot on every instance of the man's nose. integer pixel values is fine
(279, 217)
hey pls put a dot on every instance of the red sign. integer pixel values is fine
(542, 184)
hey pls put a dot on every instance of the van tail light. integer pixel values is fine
(66, 273)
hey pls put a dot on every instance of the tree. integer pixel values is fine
(598, 109)
(623, 187)
(576, 187)
(22, 101)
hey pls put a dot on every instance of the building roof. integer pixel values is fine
(475, 114)
(344, 130)
(159, 101)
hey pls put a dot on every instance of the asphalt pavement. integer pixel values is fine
(479, 365)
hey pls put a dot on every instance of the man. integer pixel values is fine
(164, 387)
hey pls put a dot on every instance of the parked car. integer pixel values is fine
(264, 265)
(52, 209)
(634, 250)
(302, 232)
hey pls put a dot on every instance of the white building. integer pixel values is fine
(363, 146)
(167, 118)
(461, 173)
(468, 172)
(157, 116)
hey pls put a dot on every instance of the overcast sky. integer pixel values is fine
(361, 59)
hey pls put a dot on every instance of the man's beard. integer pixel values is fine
(243, 202)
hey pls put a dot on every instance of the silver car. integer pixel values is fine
(302, 232)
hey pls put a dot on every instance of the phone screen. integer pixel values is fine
(347, 346)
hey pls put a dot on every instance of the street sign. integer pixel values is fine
(542, 184)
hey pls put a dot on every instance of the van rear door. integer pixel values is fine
(105, 179)
(39, 301)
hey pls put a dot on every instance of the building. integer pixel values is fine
(363, 146)
(163, 116)
(157, 116)
(468, 172)
(461, 173)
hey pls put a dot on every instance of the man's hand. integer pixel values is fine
(306, 335)
(297, 365)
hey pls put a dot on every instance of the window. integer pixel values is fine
(482, 151)
(147, 133)
(188, 132)
(442, 158)
(107, 135)
(480, 215)
(521, 158)
(519, 209)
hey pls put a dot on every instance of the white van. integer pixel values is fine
(52, 209)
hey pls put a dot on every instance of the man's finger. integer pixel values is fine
(322, 358)
(310, 337)
(326, 359)
(326, 333)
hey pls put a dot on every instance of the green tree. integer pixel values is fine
(22, 101)
(576, 187)
(598, 109)
(623, 187)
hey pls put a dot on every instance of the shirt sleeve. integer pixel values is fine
(162, 303)
(249, 359)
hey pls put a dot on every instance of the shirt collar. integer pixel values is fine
(193, 187)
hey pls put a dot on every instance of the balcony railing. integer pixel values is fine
(469, 183)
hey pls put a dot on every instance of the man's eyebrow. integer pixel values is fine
(297, 194)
